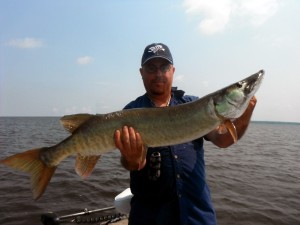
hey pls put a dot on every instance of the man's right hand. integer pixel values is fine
(132, 148)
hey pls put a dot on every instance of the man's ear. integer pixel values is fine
(141, 72)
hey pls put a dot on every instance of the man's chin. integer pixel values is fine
(157, 91)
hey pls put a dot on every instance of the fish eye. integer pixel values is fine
(240, 84)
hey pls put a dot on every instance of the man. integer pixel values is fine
(168, 183)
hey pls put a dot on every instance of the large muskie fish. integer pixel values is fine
(92, 135)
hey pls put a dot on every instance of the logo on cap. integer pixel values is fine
(156, 48)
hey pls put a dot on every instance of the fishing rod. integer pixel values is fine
(121, 205)
(81, 217)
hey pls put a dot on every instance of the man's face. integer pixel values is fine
(157, 75)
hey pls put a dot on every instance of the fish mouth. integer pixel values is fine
(253, 82)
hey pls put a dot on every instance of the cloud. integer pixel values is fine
(258, 11)
(84, 60)
(279, 40)
(26, 43)
(178, 78)
(55, 110)
(217, 15)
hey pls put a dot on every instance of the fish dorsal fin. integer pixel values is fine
(72, 122)
(85, 164)
(232, 130)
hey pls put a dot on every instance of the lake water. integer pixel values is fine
(256, 181)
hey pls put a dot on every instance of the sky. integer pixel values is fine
(68, 56)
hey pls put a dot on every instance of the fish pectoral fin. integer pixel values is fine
(232, 130)
(31, 163)
(85, 164)
(72, 122)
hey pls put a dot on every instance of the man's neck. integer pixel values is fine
(160, 100)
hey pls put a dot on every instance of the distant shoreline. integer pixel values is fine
(275, 122)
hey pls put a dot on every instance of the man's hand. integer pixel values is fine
(252, 102)
(132, 148)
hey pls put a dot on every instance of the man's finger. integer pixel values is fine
(132, 139)
(125, 138)
(118, 141)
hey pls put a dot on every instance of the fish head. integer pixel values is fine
(231, 101)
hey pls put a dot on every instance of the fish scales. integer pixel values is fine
(157, 126)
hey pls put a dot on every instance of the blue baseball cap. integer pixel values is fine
(156, 50)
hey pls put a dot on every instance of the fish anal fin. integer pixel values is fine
(232, 130)
(31, 163)
(72, 122)
(85, 164)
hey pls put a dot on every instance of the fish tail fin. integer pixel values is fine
(30, 162)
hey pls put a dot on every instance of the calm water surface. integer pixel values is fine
(256, 181)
